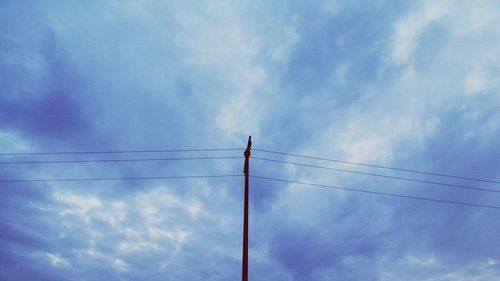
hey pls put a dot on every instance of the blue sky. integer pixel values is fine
(412, 84)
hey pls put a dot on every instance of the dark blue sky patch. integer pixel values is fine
(459, 145)
(52, 111)
(56, 116)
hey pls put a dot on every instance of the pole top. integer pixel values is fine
(249, 146)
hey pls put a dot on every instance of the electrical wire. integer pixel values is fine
(117, 160)
(378, 166)
(378, 175)
(118, 151)
(116, 178)
(379, 193)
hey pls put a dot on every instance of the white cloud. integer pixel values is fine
(194, 208)
(279, 49)
(154, 222)
(333, 6)
(431, 268)
(491, 262)
(230, 54)
(406, 111)
(137, 246)
(11, 141)
(476, 82)
(409, 28)
(239, 116)
(120, 265)
(475, 16)
(78, 205)
(57, 261)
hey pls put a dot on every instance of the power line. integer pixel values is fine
(378, 175)
(117, 178)
(118, 151)
(118, 160)
(380, 193)
(232, 149)
(378, 166)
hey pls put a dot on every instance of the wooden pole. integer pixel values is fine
(244, 271)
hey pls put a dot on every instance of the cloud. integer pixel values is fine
(410, 85)
(409, 28)
(406, 120)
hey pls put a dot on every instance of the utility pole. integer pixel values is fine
(244, 270)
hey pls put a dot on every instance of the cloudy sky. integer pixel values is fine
(407, 84)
